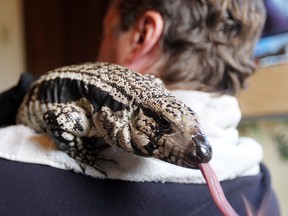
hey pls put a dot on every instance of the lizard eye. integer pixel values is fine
(164, 124)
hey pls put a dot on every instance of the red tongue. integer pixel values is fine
(216, 190)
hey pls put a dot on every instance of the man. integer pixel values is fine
(200, 46)
(191, 45)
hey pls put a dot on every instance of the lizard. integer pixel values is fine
(88, 107)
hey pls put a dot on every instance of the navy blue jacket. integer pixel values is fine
(30, 189)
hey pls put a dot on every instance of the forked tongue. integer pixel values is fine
(216, 190)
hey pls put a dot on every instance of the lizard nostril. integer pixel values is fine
(204, 153)
(203, 149)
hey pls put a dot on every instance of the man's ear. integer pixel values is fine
(146, 34)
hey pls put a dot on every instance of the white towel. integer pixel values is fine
(219, 116)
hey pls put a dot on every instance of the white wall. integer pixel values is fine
(11, 43)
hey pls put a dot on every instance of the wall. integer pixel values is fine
(267, 93)
(11, 43)
(68, 34)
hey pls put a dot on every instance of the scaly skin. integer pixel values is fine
(86, 108)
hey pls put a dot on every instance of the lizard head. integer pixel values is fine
(167, 129)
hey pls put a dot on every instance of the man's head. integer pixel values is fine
(201, 44)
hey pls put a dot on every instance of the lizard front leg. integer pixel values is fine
(69, 126)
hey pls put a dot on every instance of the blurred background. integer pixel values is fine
(39, 35)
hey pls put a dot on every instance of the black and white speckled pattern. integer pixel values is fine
(87, 106)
